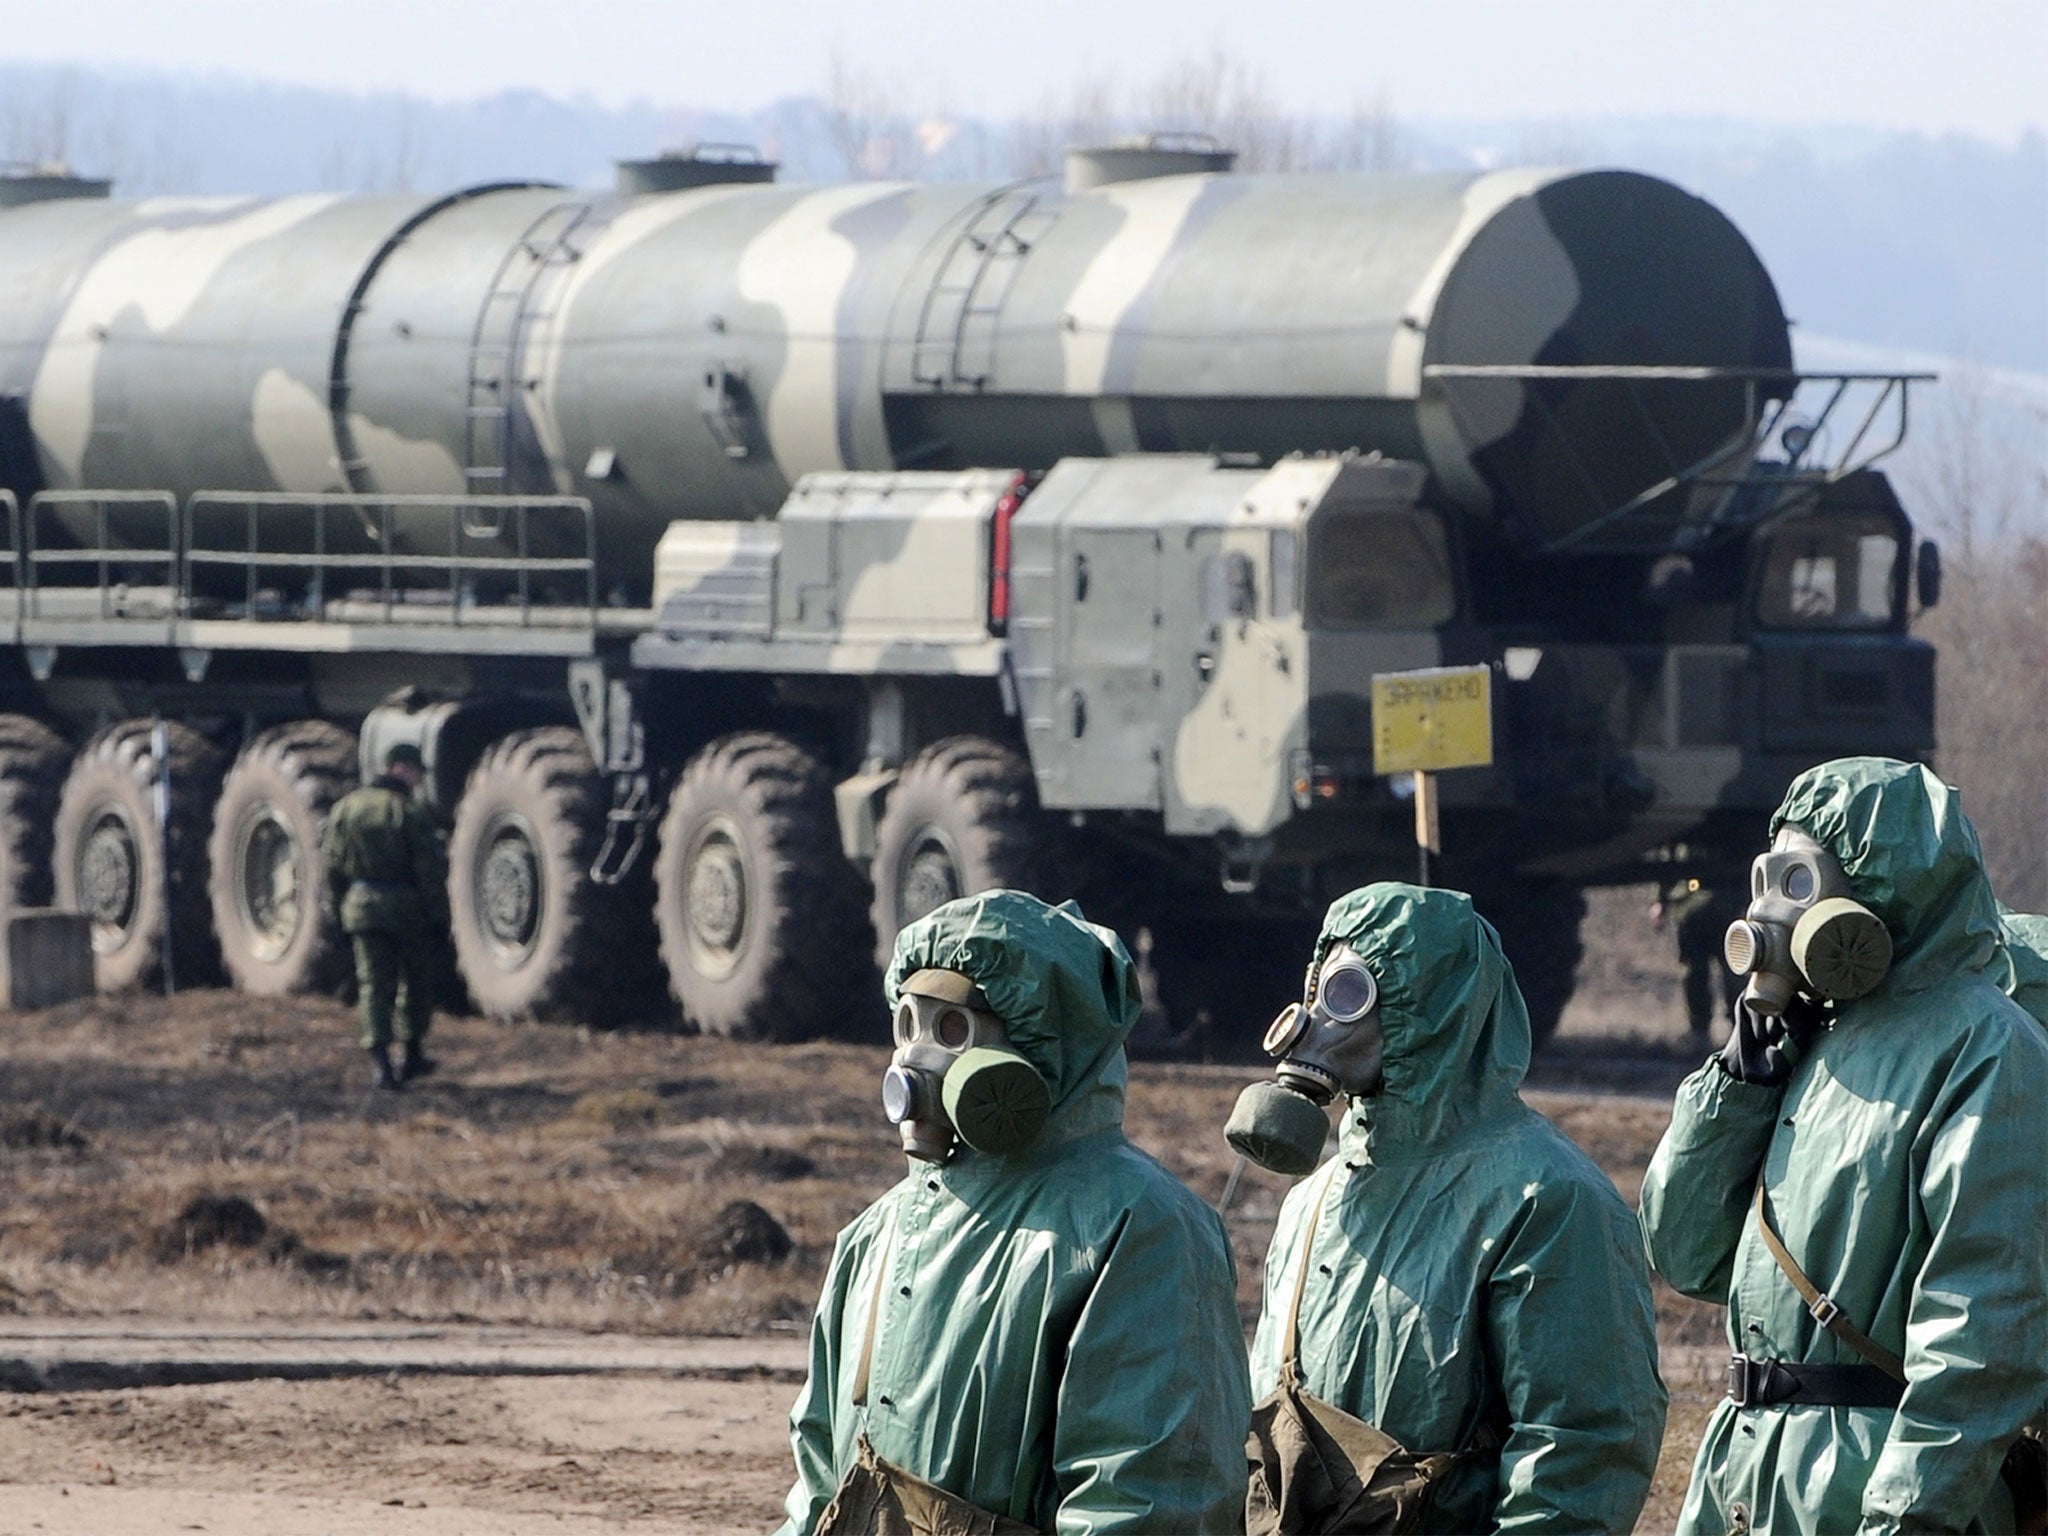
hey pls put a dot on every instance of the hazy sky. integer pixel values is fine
(1974, 66)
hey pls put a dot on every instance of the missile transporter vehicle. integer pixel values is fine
(758, 566)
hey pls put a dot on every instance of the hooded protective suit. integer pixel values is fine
(2026, 960)
(1058, 1338)
(1472, 1269)
(1902, 1168)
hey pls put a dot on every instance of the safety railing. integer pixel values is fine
(120, 548)
(136, 557)
(1796, 415)
(526, 561)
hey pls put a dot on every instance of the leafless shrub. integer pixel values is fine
(386, 158)
(1982, 492)
(1230, 101)
(1218, 94)
(1086, 114)
(72, 124)
(873, 137)
(1371, 139)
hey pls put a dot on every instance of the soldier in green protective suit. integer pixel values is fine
(1459, 1290)
(1859, 1177)
(388, 882)
(2026, 960)
(1036, 1330)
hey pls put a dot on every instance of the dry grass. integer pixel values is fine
(545, 1176)
(553, 1176)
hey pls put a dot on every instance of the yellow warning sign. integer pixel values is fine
(1436, 718)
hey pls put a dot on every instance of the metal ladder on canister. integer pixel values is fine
(494, 344)
(956, 326)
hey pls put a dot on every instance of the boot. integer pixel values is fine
(380, 1068)
(413, 1061)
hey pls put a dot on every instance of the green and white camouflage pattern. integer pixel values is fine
(692, 354)
(1135, 479)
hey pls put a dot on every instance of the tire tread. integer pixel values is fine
(818, 941)
(1013, 843)
(33, 760)
(317, 761)
(196, 767)
(581, 976)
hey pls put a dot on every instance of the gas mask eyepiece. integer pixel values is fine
(1327, 1044)
(955, 1077)
(1803, 932)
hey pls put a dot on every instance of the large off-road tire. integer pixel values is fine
(143, 885)
(963, 817)
(535, 935)
(763, 922)
(1539, 920)
(1222, 981)
(266, 875)
(32, 762)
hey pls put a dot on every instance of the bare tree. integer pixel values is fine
(1087, 114)
(37, 127)
(75, 124)
(1227, 99)
(1371, 139)
(874, 139)
(1982, 491)
(1215, 94)
(1555, 142)
(405, 146)
(390, 160)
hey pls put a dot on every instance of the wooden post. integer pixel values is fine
(1427, 838)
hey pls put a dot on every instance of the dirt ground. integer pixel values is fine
(219, 1158)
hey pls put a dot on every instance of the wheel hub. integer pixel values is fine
(271, 878)
(718, 894)
(108, 865)
(509, 892)
(930, 878)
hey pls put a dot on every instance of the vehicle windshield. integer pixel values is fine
(1838, 571)
(1379, 570)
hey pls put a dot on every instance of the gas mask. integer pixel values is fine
(955, 1075)
(1802, 932)
(1328, 1043)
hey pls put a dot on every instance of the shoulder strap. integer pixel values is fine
(867, 1343)
(1820, 1304)
(1308, 1243)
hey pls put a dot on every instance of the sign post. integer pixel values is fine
(1425, 722)
(1428, 836)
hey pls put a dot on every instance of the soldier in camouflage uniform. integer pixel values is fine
(388, 882)
(1699, 914)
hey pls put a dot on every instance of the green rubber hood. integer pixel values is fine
(1912, 857)
(1066, 989)
(2026, 956)
(1457, 1031)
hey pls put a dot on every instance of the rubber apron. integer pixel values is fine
(879, 1498)
(1316, 1468)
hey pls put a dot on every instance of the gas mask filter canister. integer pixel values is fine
(1803, 932)
(1329, 1043)
(955, 1075)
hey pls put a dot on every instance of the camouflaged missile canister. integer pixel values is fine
(1043, 533)
(689, 354)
